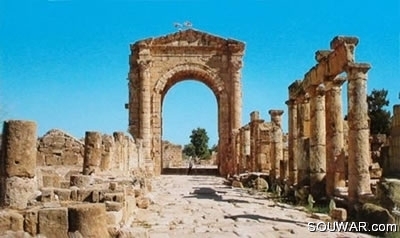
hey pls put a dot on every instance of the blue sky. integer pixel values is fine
(64, 64)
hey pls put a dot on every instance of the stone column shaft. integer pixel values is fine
(292, 145)
(303, 147)
(359, 149)
(394, 150)
(277, 143)
(335, 167)
(145, 110)
(18, 163)
(93, 152)
(317, 140)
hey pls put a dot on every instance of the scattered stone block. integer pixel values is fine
(65, 184)
(374, 214)
(19, 191)
(261, 184)
(81, 181)
(31, 221)
(47, 195)
(11, 221)
(114, 217)
(338, 214)
(113, 206)
(114, 197)
(142, 202)
(237, 184)
(53, 222)
(51, 181)
(85, 195)
(88, 218)
(113, 186)
(63, 194)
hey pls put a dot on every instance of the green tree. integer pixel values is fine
(198, 146)
(379, 117)
(189, 150)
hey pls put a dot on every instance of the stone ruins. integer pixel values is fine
(55, 185)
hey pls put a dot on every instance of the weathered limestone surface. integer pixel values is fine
(19, 148)
(393, 165)
(18, 163)
(88, 219)
(10, 221)
(156, 64)
(319, 110)
(59, 148)
(335, 166)
(317, 141)
(93, 151)
(53, 222)
(172, 155)
(292, 140)
(359, 156)
(277, 143)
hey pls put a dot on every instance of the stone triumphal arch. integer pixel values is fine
(157, 64)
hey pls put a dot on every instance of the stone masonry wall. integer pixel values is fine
(172, 155)
(59, 148)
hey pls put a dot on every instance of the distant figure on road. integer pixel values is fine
(190, 166)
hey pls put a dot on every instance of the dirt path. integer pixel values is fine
(202, 206)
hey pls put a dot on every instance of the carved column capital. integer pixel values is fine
(357, 70)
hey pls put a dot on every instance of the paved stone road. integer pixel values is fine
(201, 206)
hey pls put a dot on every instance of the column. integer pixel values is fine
(292, 145)
(317, 141)
(359, 149)
(236, 96)
(394, 150)
(303, 145)
(335, 166)
(18, 163)
(277, 143)
(145, 110)
(93, 152)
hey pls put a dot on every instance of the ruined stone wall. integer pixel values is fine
(59, 148)
(172, 155)
(55, 199)
(392, 167)
(261, 146)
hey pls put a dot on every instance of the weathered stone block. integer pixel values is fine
(93, 152)
(129, 208)
(142, 202)
(11, 221)
(85, 195)
(114, 217)
(31, 221)
(47, 195)
(65, 184)
(81, 181)
(63, 194)
(19, 155)
(88, 219)
(51, 181)
(113, 206)
(237, 184)
(53, 222)
(18, 191)
(114, 197)
(338, 214)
